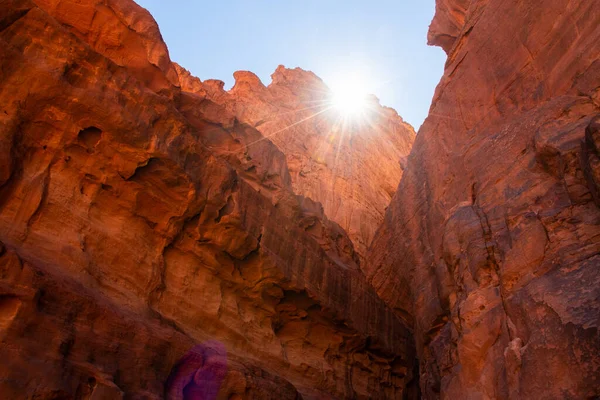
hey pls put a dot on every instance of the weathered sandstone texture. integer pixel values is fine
(147, 250)
(491, 245)
(351, 165)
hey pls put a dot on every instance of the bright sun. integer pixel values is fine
(349, 95)
(348, 102)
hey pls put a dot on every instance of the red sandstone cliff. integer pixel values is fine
(491, 245)
(148, 251)
(351, 166)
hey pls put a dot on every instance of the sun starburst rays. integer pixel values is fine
(340, 114)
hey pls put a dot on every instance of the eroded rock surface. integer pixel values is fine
(351, 164)
(163, 238)
(137, 224)
(491, 245)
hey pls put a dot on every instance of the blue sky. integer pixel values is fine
(384, 41)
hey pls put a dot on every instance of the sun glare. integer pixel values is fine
(348, 102)
(349, 95)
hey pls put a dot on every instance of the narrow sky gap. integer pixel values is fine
(382, 41)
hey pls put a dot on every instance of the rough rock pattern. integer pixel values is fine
(137, 224)
(491, 245)
(350, 164)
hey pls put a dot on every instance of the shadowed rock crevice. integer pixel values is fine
(590, 158)
(90, 137)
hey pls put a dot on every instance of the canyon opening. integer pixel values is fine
(165, 234)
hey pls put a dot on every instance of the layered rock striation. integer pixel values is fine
(148, 251)
(491, 245)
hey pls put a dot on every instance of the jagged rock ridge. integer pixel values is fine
(352, 166)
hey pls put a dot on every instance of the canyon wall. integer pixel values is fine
(161, 237)
(351, 164)
(152, 243)
(491, 246)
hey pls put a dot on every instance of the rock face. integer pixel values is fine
(350, 165)
(164, 238)
(149, 251)
(491, 245)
